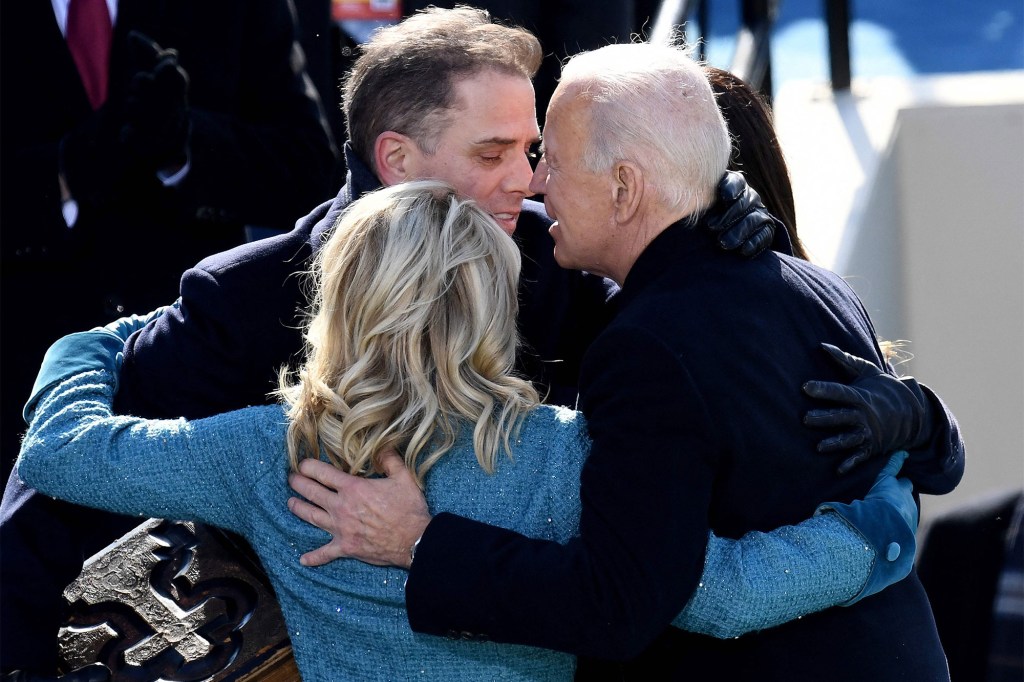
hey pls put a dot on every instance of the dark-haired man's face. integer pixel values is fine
(484, 152)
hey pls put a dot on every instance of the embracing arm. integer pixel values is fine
(765, 579)
(604, 592)
(234, 327)
(844, 553)
(838, 557)
(882, 413)
(76, 449)
(481, 581)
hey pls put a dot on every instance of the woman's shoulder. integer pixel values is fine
(535, 487)
(547, 422)
(555, 416)
(544, 430)
(268, 422)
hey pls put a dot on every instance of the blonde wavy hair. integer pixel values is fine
(411, 333)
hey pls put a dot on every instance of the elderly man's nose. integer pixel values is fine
(539, 181)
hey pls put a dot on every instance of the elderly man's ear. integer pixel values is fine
(628, 191)
(394, 156)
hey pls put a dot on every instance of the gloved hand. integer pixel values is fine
(73, 354)
(739, 219)
(98, 348)
(887, 518)
(884, 413)
(126, 326)
(155, 126)
(96, 672)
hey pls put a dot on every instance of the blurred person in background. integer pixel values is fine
(138, 128)
(146, 135)
(972, 566)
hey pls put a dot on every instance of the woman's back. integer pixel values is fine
(346, 619)
(361, 630)
(410, 345)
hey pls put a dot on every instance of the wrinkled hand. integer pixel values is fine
(375, 520)
(884, 413)
(155, 125)
(739, 219)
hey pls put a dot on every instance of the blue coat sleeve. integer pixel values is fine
(77, 450)
(765, 579)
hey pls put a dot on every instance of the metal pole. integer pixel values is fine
(705, 29)
(671, 15)
(837, 13)
(752, 61)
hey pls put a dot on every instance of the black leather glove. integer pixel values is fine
(739, 219)
(884, 413)
(96, 672)
(155, 127)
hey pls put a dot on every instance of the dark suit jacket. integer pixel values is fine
(692, 396)
(261, 154)
(239, 322)
(205, 353)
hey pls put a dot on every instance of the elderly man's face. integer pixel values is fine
(578, 199)
(484, 153)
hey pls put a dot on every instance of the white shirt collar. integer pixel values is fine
(60, 12)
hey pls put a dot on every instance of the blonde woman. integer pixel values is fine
(410, 345)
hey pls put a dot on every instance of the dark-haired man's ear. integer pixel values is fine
(392, 157)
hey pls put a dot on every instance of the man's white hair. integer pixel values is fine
(652, 105)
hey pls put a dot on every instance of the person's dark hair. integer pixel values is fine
(755, 150)
(404, 79)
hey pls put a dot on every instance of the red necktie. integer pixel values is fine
(88, 39)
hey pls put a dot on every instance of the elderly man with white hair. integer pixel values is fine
(689, 397)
